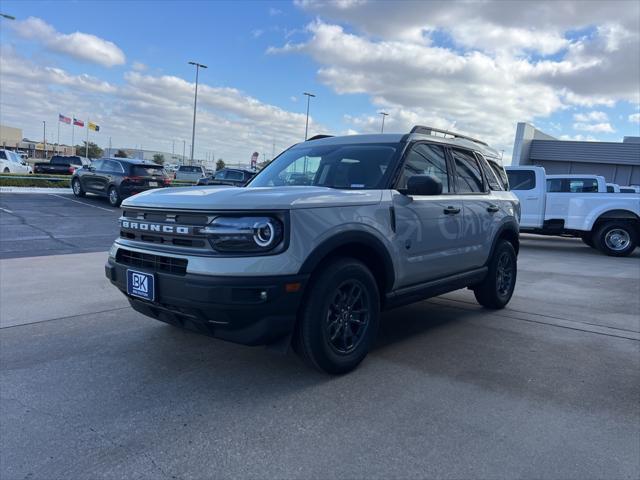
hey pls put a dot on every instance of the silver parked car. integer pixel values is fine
(190, 173)
(330, 233)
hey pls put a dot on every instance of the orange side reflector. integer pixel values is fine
(292, 287)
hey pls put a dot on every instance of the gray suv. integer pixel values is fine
(333, 231)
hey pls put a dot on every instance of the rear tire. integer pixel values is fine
(496, 289)
(76, 186)
(587, 239)
(114, 197)
(616, 239)
(339, 319)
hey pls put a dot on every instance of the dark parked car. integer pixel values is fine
(61, 165)
(118, 178)
(228, 176)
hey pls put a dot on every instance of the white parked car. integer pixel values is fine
(11, 162)
(579, 206)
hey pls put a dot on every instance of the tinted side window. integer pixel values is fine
(468, 176)
(522, 179)
(490, 175)
(98, 165)
(583, 185)
(3, 156)
(219, 175)
(425, 159)
(57, 160)
(231, 175)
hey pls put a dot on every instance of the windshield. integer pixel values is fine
(334, 166)
(146, 170)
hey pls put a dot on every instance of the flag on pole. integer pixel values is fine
(78, 123)
(93, 126)
(63, 119)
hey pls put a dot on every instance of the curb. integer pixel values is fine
(34, 190)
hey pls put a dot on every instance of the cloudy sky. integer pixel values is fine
(570, 68)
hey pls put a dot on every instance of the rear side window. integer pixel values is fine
(219, 175)
(57, 160)
(468, 176)
(521, 179)
(492, 179)
(146, 170)
(572, 185)
(3, 156)
(231, 175)
(425, 159)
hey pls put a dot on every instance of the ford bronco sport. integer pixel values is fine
(330, 233)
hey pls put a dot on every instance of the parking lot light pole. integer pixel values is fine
(195, 103)
(44, 138)
(384, 114)
(306, 127)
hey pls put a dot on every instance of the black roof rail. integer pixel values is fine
(428, 131)
(318, 137)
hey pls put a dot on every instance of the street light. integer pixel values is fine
(195, 102)
(306, 127)
(384, 114)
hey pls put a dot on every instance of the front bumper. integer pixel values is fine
(246, 310)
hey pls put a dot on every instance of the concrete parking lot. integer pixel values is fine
(546, 388)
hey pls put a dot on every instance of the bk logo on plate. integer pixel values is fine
(140, 283)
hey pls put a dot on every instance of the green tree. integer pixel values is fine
(121, 154)
(158, 158)
(94, 150)
(220, 164)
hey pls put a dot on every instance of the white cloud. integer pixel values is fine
(273, 12)
(604, 127)
(257, 33)
(81, 46)
(148, 110)
(139, 66)
(594, 116)
(634, 118)
(476, 64)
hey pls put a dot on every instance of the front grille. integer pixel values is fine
(173, 219)
(158, 263)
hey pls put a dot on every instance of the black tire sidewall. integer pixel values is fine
(80, 191)
(311, 327)
(602, 232)
(486, 293)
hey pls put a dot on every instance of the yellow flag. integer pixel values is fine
(94, 127)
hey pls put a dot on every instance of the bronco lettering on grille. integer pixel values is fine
(155, 227)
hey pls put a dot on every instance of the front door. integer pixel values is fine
(428, 228)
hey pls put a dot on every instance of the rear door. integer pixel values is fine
(530, 191)
(479, 208)
(88, 178)
(428, 228)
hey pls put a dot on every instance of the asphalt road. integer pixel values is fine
(39, 224)
(546, 388)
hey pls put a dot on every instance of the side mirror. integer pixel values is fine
(424, 185)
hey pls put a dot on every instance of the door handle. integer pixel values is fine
(493, 208)
(451, 210)
(532, 198)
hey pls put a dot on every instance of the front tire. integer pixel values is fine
(339, 319)
(616, 239)
(496, 289)
(76, 186)
(114, 197)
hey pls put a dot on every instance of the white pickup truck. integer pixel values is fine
(577, 205)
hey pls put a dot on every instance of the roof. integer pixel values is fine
(587, 152)
(400, 137)
(133, 161)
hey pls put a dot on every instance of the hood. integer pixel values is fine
(262, 198)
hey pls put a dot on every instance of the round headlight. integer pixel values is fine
(264, 233)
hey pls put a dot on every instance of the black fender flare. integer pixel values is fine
(345, 239)
(513, 229)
